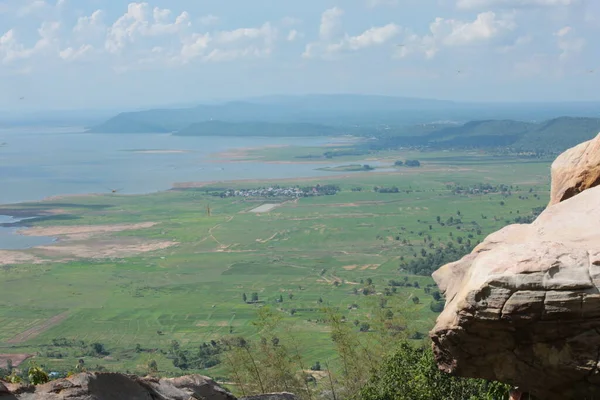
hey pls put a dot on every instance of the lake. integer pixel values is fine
(36, 163)
(10, 240)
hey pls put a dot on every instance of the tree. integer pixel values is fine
(369, 281)
(364, 327)
(415, 300)
(382, 302)
(37, 375)
(316, 367)
(438, 219)
(399, 163)
(152, 367)
(291, 295)
(244, 298)
(138, 348)
(437, 296)
(320, 300)
(98, 348)
(281, 298)
(254, 297)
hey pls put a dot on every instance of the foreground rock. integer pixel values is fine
(112, 386)
(524, 306)
(576, 170)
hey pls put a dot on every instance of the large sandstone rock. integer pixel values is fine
(576, 170)
(111, 386)
(524, 306)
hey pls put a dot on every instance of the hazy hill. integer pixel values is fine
(553, 136)
(337, 110)
(559, 134)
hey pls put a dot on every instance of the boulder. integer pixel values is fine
(576, 170)
(114, 386)
(524, 306)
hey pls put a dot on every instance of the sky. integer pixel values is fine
(75, 54)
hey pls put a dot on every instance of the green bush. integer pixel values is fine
(411, 373)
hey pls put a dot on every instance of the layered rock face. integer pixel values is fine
(112, 386)
(524, 306)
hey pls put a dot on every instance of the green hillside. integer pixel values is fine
(559, 134)
(552, 136)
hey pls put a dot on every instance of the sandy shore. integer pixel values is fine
(242, 152)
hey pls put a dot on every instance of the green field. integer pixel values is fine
(304, 251)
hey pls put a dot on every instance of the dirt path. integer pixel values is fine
(210, 232)
(38, 329)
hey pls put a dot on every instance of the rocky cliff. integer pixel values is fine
(112, 386)
(524, 306)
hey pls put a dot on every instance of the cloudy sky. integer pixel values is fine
(115, 53)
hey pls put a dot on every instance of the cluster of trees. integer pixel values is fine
(377, 365)
(253, 298)
(408, 163)
(205, 356)
(430, 261)
(63, 347)
(393, 189)
(345, 152)
(480, 188)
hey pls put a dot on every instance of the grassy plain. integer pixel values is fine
(192, 291)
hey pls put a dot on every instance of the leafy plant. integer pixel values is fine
(37, 375)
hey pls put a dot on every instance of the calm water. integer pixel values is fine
(10, 240)
(38, 163)
(35, 165)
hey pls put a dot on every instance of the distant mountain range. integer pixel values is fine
(339, 111)
(394, 121)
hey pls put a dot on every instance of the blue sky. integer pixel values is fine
(110, 53)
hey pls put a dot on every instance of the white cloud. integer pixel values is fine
(12, 50)
(267, 32)
(71, 54)
(135, 23)
(331, 23)
(369, 38)
(332, 40)
(293, 35)
(194, 47)
(93, 23)
(567, 44)
(457, 33)
(487, 27)
(471, 4)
